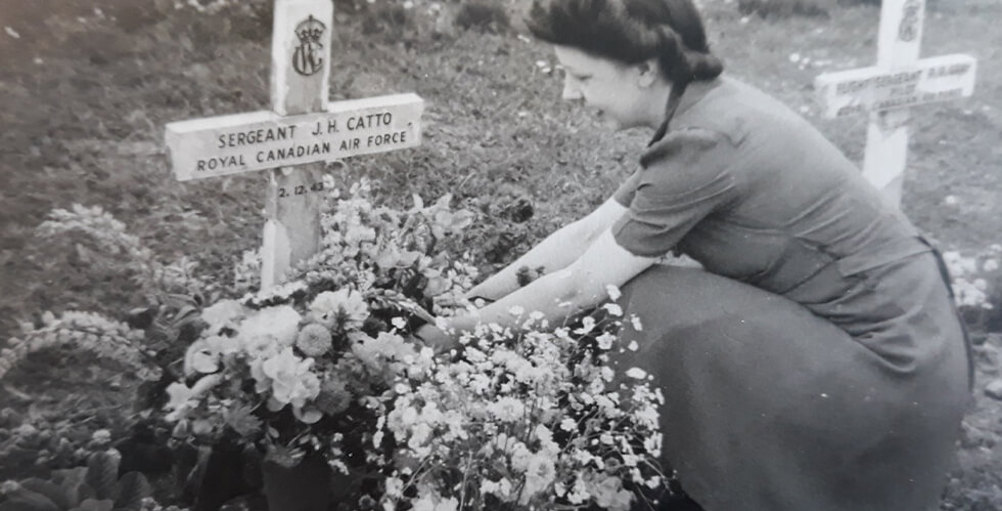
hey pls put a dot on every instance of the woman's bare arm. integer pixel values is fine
(558, 295)
(556, 252)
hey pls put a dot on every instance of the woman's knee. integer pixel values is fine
(686, 296)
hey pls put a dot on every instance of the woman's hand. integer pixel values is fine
(436, 338)
(477, 300)
(557, 295)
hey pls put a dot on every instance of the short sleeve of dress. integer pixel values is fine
(685, 177)
(624, 194)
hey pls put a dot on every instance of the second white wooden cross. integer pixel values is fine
(885, 91)
(303, 129)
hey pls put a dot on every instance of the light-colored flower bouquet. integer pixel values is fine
(526, 418)
(301, 368)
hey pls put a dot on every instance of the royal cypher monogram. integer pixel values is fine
(909, 27)
(308, 57)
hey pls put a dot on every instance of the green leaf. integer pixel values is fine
(52, 491)
(24, 499)
(132, 488)
(95, 505)
(241, 419)
(102, 473)
(72, 482)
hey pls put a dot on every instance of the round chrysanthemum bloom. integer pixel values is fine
(314, 340)
(100, 437)
(344, 308)
(334, 397)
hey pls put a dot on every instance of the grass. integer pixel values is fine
(84, 96)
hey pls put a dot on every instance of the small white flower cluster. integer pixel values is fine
(207, 6)
(151, 504)
(110, 238)
(80, 330)
(973, 276)
(247, 272)
(281, 293)
(431, 5)
(526, 419)
(180, 277)
(455, 280)
(47, 439)
(99, 225)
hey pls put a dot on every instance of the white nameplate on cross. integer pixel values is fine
(873, 89)
(302, 130)
(899, 81)
(234, 144)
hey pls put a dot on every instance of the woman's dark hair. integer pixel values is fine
(633, 31)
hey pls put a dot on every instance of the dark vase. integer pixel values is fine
(304, 487)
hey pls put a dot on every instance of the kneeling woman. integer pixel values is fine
(817, 363)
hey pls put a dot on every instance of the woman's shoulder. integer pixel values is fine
(737, 109)
(688, 143)
(707, 123)
(693, 162)
(765, 134)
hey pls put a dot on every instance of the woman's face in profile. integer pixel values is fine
(616, 91)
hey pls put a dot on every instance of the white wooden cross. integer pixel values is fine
(885, 91)
(303, 129)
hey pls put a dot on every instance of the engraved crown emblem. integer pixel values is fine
(310, 30)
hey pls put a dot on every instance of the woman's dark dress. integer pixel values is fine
(818, 363)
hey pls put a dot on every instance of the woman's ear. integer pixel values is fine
(647, 73)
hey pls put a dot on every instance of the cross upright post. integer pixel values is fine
(898, 43)
(899, 80)
(302, 131)
(300, 72)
